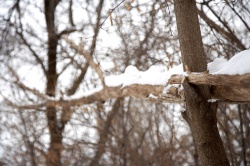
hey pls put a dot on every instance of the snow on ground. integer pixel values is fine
(238, 64)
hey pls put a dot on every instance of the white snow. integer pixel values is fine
(238, 64)
(155, 75)
(159, 75)
(152, 96)
(216, 65)
(212, 100)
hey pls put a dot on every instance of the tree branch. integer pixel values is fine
(89, 59)
(209, 79)
(136, 90)
(228, 35)
(228, 88)
(38, 59)
(25, 87)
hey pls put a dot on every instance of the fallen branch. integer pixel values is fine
(225, 88)
(209, 79)
(234, 88)
(136, 90)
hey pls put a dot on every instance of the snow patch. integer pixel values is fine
(238, 64)
(155, 75)
(216, 65)
(159, 75)
(152, 96)
(212, 100)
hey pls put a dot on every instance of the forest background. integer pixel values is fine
(61, 50)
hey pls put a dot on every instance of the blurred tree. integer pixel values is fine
(54, 53)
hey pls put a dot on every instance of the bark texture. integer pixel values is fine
(200, 115)
(54, 154)
(230, 88)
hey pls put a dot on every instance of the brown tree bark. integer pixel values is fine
(226, 88)
(200, 114)
(55, 147)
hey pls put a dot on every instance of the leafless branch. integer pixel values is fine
(110, 12)
(25, 87)
(234, 88)
(139, 91)
(89, 59)
(229, 35)
(209, 79)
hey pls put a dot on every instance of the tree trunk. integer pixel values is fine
(55, 148)
(200, 114)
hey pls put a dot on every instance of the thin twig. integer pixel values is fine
(110, 12)
(87, 57)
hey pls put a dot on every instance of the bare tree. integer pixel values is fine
(53, 53)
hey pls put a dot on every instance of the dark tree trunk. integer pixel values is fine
(200, 114)
(55, 148)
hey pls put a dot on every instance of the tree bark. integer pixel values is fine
(210, 79)
(55, 147)
(230, 88)
(200, 115)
